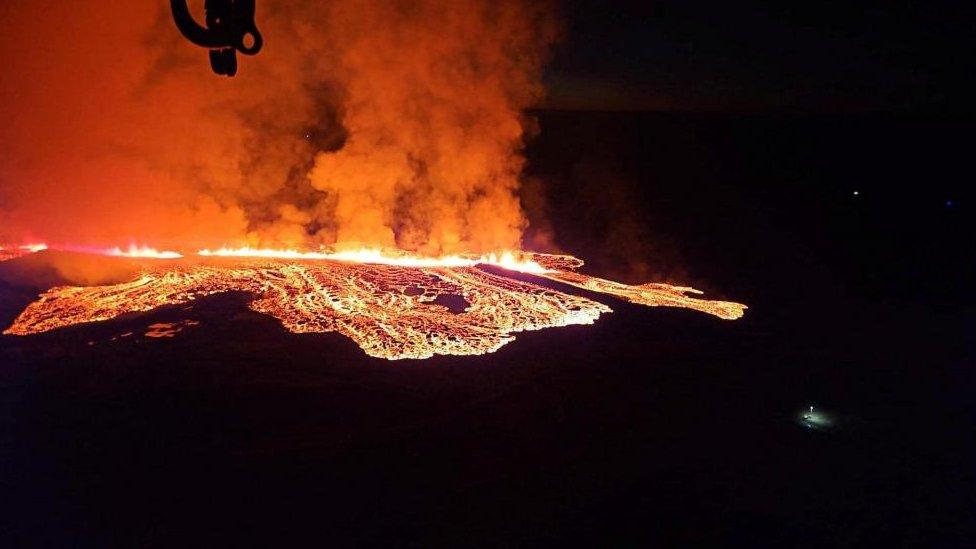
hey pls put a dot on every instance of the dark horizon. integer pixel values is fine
(748, 57)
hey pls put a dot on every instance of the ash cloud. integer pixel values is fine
(378, 123)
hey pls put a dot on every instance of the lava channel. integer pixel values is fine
(390, 311)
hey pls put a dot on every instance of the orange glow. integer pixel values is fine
(386, 304)
(652, 295)
(267, 253)
(507, 260)
(384, 142)
(145, 252)
(141, 251)
(129, 136)
(11, 252)
(133, 250)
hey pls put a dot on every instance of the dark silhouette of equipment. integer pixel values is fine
(230, 29)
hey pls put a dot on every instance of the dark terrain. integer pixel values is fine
(652, 427)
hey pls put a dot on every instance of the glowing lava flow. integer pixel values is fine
(375, 256)
(141, 251)
(132, 251)
(144, 252)
(389, 305)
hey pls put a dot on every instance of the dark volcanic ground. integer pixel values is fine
(653, 426)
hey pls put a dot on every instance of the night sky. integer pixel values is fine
(825, 56)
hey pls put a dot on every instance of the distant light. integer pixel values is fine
(816, 419)
(856, 193)
(949, 203)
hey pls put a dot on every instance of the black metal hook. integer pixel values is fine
(229, 24)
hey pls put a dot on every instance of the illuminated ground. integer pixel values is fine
(390, 311)
(653, 427)
(813, 418)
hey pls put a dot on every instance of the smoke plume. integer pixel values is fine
(376, 123)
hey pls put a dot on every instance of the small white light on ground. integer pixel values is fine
(816, 419)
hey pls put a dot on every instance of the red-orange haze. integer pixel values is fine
(378, 123)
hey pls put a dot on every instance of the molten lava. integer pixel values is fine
(388, 304)
(11, 252)
(141, 251)
(506, 260)
(401, 125)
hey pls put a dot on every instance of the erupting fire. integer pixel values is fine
(142, 251)
(131, 251)
(10, 252)
(506, 260)
(391, 306)
(370, 129)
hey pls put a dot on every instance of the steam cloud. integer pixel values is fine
(380, 123)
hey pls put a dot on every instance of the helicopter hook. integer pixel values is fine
(230, 29)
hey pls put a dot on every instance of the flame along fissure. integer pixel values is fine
(387, 308)
(133, 251)
(11, 252)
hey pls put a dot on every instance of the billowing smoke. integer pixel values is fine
(378, 123)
